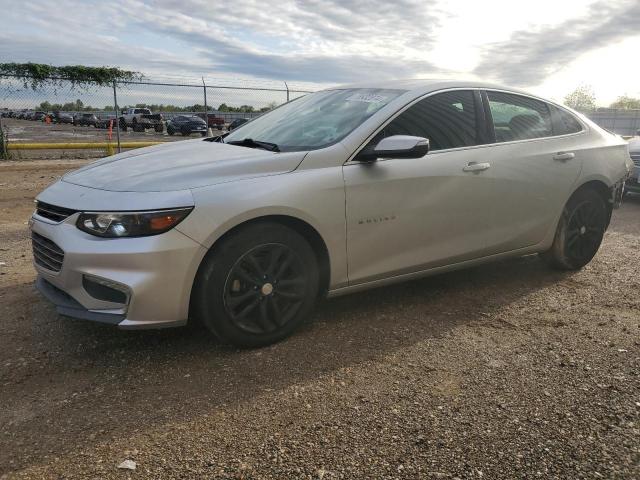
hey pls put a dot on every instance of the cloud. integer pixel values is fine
(528, 57)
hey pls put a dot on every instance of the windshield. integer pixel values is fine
(316, 120)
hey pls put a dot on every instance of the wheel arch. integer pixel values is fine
(302, 227)
(603, 190)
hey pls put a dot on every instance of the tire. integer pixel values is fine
(137, 127)
(203, 134)
(159, 128)
(123, 125)
(579, 232)
(219, 127)
(170, 131)
(233, 295)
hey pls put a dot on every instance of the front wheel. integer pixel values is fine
(580, 231)
(258, 286)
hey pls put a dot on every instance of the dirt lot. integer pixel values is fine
(505, 371)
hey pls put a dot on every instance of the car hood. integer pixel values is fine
(180, 166)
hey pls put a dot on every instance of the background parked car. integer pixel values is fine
(237, 122)
(103, 122)
(38, 116)
(85, 119)
(186, 125)
(633, 182)
(213, 121)
(62, 117)
(140, 119)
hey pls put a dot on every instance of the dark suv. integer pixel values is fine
(85, 119)
(186, 125)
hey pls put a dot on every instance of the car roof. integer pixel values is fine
(422, 86)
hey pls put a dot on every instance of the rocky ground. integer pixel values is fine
(508, 371)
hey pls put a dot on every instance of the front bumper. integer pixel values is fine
(156, 273)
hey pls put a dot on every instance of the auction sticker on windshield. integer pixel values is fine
(367, 97)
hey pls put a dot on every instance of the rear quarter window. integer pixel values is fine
(564, 123)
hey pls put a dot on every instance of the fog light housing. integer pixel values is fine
(106, 290)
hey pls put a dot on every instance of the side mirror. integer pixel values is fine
(396, 146)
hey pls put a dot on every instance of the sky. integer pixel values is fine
(548, 47)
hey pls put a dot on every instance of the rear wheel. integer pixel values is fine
(580, 231)
(159, 128)
(258, 286)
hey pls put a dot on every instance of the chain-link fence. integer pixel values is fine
(621, 121)
(61, 120)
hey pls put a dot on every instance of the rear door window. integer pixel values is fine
(516, 117)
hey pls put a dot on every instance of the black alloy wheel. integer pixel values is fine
(265, 288)
(580, 230)
(585, 230)
(257, 286)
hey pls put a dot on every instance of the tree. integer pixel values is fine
(37, 75)
(582, 99)
(626, 102)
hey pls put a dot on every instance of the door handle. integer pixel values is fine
(476, 167)
(564, 156)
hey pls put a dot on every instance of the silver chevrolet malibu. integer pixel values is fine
(338, 191)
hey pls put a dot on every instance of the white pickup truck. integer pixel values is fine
(140, 119)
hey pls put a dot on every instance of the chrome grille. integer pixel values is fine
(46, 253)
(636, 159)
(52, 212)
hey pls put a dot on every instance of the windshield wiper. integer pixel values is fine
(251, 143)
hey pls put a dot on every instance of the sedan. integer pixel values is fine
(337, 191)
(186, 125)
(236, 123)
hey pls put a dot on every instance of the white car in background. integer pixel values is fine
(633, 182)
(338, 191)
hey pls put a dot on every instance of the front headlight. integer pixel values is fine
(130, 224)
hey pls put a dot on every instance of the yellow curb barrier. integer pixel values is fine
(78, 146)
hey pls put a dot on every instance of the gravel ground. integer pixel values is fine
(505, 371)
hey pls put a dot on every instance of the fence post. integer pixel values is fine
(4, 138)
(116, 120)
(287, 87)
(206, 110)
